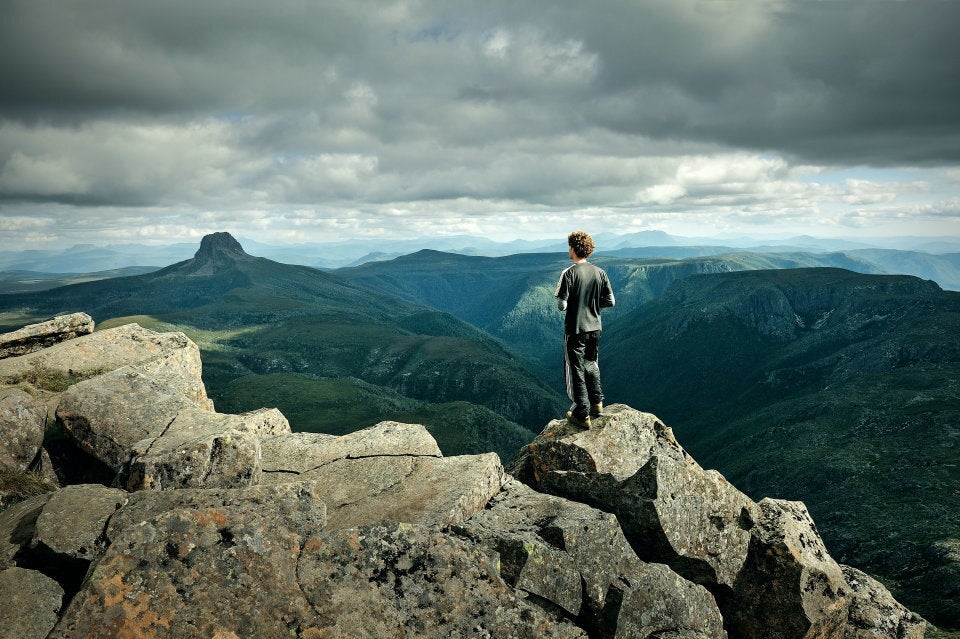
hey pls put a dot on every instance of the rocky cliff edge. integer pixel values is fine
(215, 525)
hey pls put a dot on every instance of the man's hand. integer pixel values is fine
(562, 305)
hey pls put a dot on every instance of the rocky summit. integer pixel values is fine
(207, 524)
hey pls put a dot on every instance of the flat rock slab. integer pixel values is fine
(45, 334)
(201, 563)
(630, 464)
(411, 581)
(73, 521)
(577, 558)
(412, 489)
(23, 421)
(31, 604)
(299, 453)
(203, 449)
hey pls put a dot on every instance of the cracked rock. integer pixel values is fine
(203, 449)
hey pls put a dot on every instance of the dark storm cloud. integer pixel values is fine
(870, 81)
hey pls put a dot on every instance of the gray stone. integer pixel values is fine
(672, 510)
(107, 416)
(22, 424)
(202, 449)
(423, 490)
(875, 614)
(73, 521)
(576, 558)
(411, 581)
(17, 525)
(45, 334)
(790, 586)
(31, 603)
(299, 453)
(201, 563)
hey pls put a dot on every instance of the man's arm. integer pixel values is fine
(607, 300)
(562, 292)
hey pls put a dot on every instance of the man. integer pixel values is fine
(582, 291)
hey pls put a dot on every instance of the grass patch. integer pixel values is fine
(44, 378)
(17, 485)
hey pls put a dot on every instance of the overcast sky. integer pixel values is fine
(299, 120)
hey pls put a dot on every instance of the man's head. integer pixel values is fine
(581, 244)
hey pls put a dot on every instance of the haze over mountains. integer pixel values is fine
(818, 384)
(89, 258)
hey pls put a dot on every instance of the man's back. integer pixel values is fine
(586, 289)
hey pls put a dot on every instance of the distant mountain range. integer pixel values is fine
(90, 259)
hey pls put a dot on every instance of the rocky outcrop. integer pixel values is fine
(232, 525)
(671, 509)
(765, 563)
(45, 334)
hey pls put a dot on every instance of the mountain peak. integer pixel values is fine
(219, 245)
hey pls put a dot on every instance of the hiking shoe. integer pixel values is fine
(576, 421)
(596, 410)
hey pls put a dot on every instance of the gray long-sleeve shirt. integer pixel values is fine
(582, 291)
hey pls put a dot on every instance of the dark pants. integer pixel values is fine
(582, 371)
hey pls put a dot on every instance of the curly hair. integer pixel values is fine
(581, 243)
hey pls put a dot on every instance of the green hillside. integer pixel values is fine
(254, 318)
(837, 389)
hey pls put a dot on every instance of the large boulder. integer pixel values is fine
(202, 563)
(22, 424)
(790, 586)
(576, 558)
(403, 580)
(875, 614)
(45, 334)
(203, 449)
(107, 416)
(630, 464)
(31, 604)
